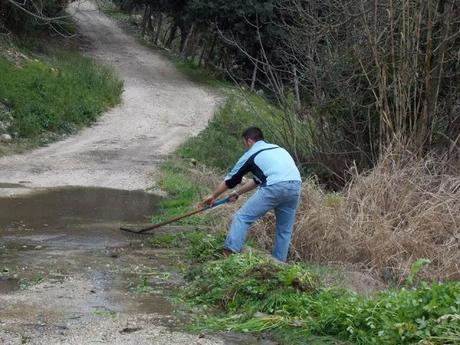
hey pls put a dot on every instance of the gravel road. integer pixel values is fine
(160, 108)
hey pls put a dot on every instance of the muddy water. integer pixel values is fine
(68, 239)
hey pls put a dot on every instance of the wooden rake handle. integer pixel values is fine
(175, 219)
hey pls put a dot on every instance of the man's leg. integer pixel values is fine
(256, 206)
(285, 218)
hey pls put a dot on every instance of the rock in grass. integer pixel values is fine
(5, 138)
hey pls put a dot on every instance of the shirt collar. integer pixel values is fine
(256, 145)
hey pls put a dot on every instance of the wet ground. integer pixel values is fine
(68, 275)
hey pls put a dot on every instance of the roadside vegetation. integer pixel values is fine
(300, 302)
(371, 205)
(47, 88)
(46, 93)
(296, 304)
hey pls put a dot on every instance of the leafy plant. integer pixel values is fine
(415, 268)
(250, 293)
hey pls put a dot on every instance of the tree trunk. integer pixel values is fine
(144, 20)
(296, 88)
(189, 35)
(160, 21)
(163, 40)
(211, 51)
(254, 76)
(202, 52)
(172, 34)
(149, 20)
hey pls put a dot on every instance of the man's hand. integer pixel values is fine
(208, 201)
(233, 196)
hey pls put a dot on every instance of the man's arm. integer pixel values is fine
(222, 187)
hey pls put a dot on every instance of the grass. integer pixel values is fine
(55, 93)
(183, 194)
(250, 293)
(219, 145)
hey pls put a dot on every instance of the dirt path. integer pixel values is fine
(160, 109)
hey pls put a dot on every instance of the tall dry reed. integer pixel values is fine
(404, 209)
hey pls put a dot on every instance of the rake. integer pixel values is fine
(141, 230)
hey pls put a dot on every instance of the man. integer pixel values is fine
(278, 178)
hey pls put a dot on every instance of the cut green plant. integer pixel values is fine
(251, 293)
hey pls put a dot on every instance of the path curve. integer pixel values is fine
(160, 108)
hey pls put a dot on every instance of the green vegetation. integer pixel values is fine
(27, 16)
(251, 293)
(58, 93)
(198, 74)
(143, 286)
(183, 194)
(201, 246)
(104, 312)
(220, 145)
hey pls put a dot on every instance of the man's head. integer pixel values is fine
(251, 135)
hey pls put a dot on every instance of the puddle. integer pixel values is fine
(74, 217)
(8, 285)
(11, 185)
(76, 205)
(73, 233)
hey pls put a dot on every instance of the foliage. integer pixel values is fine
(220, 145)
(56, 94)
(252, 294)
(143, 286)
(347, 89)
(201, 246)
(183, 194)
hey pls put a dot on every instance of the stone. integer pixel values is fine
(5, 138)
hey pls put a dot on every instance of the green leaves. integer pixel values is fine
(249, 293)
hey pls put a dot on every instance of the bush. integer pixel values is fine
(23, 17)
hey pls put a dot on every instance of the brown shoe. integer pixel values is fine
(227, 252)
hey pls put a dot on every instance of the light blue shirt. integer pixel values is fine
(268, 163)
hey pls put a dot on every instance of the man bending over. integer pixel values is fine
(278, 179)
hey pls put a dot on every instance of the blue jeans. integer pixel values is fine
(283, 197)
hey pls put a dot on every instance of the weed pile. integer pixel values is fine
(250, 293)
(402, 210)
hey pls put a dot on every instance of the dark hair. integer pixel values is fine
(253, 133)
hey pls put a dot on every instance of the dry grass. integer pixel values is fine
(402, 210)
